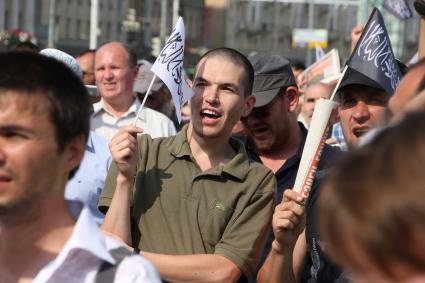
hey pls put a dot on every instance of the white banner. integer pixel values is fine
(313, 147)
(169, 67)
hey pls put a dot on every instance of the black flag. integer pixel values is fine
(398, 8)
(373, 55)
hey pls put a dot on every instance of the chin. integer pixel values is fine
(263, 147)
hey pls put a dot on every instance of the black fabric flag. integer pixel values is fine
(373, 55)
(399, 8)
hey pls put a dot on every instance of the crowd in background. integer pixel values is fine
(95, 187)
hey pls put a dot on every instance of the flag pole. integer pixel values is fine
(144, 100)
(339, 82)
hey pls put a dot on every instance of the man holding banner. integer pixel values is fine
(277, 140)
(371, 76)
(195, 205)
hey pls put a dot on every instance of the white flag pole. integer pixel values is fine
(339, 82)
(144, 100)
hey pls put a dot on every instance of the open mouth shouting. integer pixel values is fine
(359, 132)
(209, 115)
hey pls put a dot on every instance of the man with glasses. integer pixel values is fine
(276, 139)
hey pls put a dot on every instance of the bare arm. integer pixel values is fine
(124, 151)
(200, 268)
(286, 257)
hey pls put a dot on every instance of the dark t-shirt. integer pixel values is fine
(317, 267)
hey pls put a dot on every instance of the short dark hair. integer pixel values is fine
(27, 46)
(35, 74)
(236, 58)
(86, 51)
(298, 65)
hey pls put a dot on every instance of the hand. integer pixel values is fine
(288, 220)
(124, 150)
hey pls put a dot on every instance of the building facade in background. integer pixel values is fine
(246, 25)
(267, 26)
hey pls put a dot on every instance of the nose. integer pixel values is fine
(361, 112)
(108, 74)
(211, 95)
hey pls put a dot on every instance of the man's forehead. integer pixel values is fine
(218, 66)
(360, 91)
(116, 51)
(24, 102)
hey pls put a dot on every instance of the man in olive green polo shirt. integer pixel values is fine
(194, 204)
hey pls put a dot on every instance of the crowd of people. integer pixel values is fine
(90, 191)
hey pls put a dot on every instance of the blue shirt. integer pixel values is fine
(339, 136)
(87, 184)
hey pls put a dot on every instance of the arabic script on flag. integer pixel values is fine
(399, 8)
(169, 67)
(373, 55)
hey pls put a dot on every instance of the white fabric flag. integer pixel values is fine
(169, 67)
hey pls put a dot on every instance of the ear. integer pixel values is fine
(337, 117)
(136, 72)
(249, 104)
(292, 98)
(74, 152)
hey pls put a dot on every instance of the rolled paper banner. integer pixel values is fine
(313, 147)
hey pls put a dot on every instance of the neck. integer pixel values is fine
(118, 107)
(274, 159)
(209, 152)
(32, 238)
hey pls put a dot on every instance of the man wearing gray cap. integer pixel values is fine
(277, 140)
(362, 106)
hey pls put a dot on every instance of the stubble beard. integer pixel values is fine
(24, 208)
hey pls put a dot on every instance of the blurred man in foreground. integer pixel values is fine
(377, 191)
(44, 124)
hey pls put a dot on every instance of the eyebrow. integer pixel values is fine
(201, 79)
(197, 79)
(230, 85)
(15, 128)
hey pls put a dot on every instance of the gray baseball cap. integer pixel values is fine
(272, 72)
(144, 78)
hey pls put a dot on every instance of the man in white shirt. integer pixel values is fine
(115, 73)
(44, 126)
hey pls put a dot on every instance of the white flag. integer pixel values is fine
(169, 67)
(319, 52)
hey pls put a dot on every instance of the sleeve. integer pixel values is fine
(245, 236)
(108, 189)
